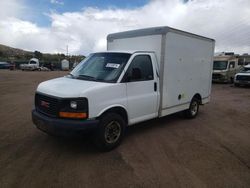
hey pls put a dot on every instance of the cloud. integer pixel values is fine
(57, 2)
(11, 8)
(85, 31)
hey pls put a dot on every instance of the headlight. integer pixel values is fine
(236, 78)
(74, 108)
(73, 104)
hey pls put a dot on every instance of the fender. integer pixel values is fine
(112, 106)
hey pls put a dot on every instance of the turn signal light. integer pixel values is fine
(80, 115)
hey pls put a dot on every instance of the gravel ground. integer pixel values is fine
(212, 150)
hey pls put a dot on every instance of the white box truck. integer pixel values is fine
(144, 74)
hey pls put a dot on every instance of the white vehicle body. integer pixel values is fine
(32, 65)
(243, 77)
(184, 63)
(182, 71)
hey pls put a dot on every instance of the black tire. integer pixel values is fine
(236, 85)
(231, 80)
(110, 132)
(193, 109)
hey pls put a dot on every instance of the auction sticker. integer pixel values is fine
(113, 65)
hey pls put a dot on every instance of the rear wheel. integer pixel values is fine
(193, 109)
(236, 84)
(110, 131)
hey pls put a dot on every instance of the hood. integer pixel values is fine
(243, 73)
(69, 88)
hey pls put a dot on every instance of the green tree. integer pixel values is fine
(38, 55)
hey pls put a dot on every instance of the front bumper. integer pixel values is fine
(61, 126)
(220, 78)
(240, 82)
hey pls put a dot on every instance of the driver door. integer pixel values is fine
(142, 91)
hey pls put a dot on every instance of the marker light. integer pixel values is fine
(79, 115)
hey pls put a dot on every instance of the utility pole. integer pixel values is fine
(67, 49)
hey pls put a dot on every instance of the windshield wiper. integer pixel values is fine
(85, 77)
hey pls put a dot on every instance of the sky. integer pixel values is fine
(82, 25)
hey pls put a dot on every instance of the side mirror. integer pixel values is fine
(231, 66)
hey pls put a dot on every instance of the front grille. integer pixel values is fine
(216, 76)
(243, 78)
(47, 104)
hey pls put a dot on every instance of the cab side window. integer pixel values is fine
(140, 69)
(232, 64)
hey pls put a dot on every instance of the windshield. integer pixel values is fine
(32, 62)
(245, 69)
(104, 67)
(220, 65)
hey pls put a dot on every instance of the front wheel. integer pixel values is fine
(110, 131)
(193, 109)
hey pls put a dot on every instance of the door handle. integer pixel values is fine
(155, 86)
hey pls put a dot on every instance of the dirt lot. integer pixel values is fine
(212, 150)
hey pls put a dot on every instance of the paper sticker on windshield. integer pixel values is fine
(113, 65)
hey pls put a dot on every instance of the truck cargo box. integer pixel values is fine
(185, 62)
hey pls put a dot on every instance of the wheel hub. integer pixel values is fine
(194, 108)
(112, 132)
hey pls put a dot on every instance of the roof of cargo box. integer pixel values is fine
(152, 31)
(126, 51)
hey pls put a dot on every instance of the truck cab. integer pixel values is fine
(32, 65)
(243, 77)
(224, 68)
(121, 83)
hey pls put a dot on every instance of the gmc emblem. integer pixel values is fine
(45, 104)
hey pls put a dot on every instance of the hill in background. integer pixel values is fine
(15, 55)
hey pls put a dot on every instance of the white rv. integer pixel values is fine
(144, 74)
(225, 66)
